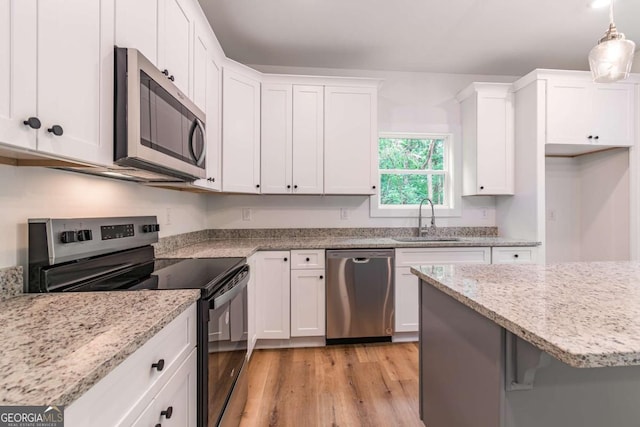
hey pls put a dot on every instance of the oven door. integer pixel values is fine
(227, 353)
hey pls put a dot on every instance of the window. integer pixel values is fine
(410, 168)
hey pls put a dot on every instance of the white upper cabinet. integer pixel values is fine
(137, 26)
(582, 112)
(487, 139)
(175, 36)
(18, 30)
(350, 140)
(240, 131)
(276, 139)
(308, 139)
(292, 139)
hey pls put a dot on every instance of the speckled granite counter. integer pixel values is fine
(246, 247)
(57, 346)
(10, 282)
(583, 314)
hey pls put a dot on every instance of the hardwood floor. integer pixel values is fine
(339, 386)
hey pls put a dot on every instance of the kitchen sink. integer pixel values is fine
(426, 239)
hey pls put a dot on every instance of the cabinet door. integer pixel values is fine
(18, 72)
(273, 295)
(175, 29)
(75, 78)
(350, 140)
(308, 139)
(276, 141)
(613, 114)
(136, 26)
(251, 305)
(307, 303)
(568, 112)
(179, 394)
(495, 162)
(240, 133)
(407, 285)
(200, 56)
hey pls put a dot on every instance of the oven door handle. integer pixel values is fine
(221, 300)
(192, 142)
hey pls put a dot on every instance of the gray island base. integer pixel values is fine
(478, 367)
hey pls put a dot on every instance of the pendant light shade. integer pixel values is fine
(611, 59)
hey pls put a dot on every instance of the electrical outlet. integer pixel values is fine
(246, 214)
(484, 214)
(344, 213)
(167, 216)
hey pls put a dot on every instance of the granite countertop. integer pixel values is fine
(225, 248)
(584, 314)
(57, 346)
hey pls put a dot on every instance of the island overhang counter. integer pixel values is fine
(530, 345)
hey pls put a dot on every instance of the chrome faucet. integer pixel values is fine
(433, 216)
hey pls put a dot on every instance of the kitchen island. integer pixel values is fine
(530, 345)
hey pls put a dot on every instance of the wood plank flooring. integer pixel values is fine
(339, 386)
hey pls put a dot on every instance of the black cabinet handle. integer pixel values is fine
(516, 255)
(295, 186)
(167, 413)
(33, 122)
(165, 72)
(482, 187)
(171, 78)
(257, 185)
(288, 186)
(308, 259)
(590, 137)
(56, 130)
(159, 365)
(286, 259)
(322, 277)
(373, 186)
(596, 137)
(211, 179)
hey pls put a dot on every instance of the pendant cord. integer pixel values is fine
(611, 12)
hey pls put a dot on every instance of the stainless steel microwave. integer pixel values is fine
(157, 127)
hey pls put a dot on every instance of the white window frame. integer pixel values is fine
(452, 184)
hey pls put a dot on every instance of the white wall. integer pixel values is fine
(635, 68)
(40, 193)
(587, 207)
(407, 102)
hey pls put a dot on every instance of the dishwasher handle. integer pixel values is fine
(360, 260)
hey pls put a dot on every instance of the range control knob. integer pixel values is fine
(150, 228)
(85, 235)
(68, 236)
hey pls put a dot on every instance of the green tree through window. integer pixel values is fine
(411, 169)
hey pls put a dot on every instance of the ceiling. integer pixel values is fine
(502, 37)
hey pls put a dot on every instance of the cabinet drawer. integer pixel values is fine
(126, 390)
(178, 397)
(515, 255)
(459, 255)
(307, 259)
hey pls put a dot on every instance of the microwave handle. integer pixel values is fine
(192, 140)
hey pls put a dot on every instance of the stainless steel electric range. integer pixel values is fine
(113, 254)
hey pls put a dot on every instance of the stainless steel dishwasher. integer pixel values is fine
(360, 295)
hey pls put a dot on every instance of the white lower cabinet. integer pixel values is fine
(407, 285)
(514, 255)
(272, 283)
(307, 303)
(161, 373)
(175, 405)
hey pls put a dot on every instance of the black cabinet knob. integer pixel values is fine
(286, 259)
(373, 186)
(257, 185)
(288, 186)
(56, 130)
(165, 72)
(308, 259)
(596, 137)
(295, 186)
(322, 277)
(33, 122)
(159, 366)
(213, 179)
(590, 137)
(516, 255)
(167, 413)
(482, 187)
(172, 78)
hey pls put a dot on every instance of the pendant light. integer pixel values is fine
(611, 59)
